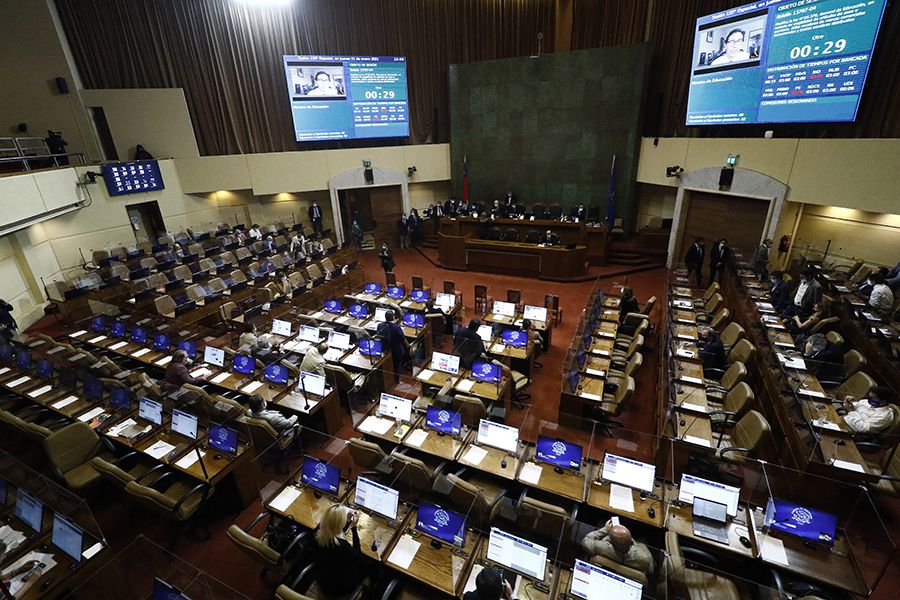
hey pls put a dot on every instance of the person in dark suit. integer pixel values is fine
(516, 210)
(719, 257)
(779, 294)
(467, 344)
(315, 217)
(490, 585)
(578, 212)
(693, 260)
(806, 296)
(393, 337)
(628, 303)
(825, 358)
(549, 239)
(387, 258)
(712, 350)
(500, 210)
(451, 207)
(414, 223)
(510, 198)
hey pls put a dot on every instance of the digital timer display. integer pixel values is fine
(782, 61)
(347, 97)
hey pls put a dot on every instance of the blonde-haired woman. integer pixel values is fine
(340, 567)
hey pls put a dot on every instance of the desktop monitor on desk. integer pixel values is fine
(504, 309)
(333, 306)
(372, 288)
(534, 313)
(23, 360)
(150, 410)
(190, 348)
(184, 424)
(419, 296)
(311, 383)
(282, 328)
(118, 329)
(29, 509)
(369, 347)
(395, 407)
(443, 420)
(447, 363)
(308, 333)
(214, 356)
(413, 319)
(120, 398)
(381, 314)
(395, 292)
(629, 472)
(223, 439)
(486, 333)
(574, 379)
(497, 435)
(515, 338)
(486, 371)
(243, 364)
(166, 591)
(581, 358)
(68, 537)
(558, 452)
(376, 497)
(339, 340)
(44, 369)
(596, 583)
(320, 475)
(800, 521)
(139, 335)
(518, 554)
(692, 486)
(93, 388)
(276, 374)
(6, 352)
(98, 323)
(445, 301)
(442, 524)
(359, 311)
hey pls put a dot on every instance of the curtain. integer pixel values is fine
(599, 23)
(227, 55)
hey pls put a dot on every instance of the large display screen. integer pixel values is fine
(347, 97)
(132, 177)
(782, 61)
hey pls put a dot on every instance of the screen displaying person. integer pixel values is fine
(324, 86)
(735, 49)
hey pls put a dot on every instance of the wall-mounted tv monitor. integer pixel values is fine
(782, 61)
(132, 177)
(347, 97)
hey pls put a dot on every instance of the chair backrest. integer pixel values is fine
(418, 282)
(366, 455)
(547, 520)
(195, 292)
(253, 547)
(824, 325)
(390, 278)
(720, 317)
(538, 210)
(732, 333)
(651, 303)
(314, 271)
(494, 233)
(328, 265)
(860, 274)
(182, 272)
(853, 362)
(619, 568)
(742, 351)
(283, 592)
(752, 431)
(470, 409)
(480, 292)
(533, 236)
(411, 472)
(111, 472)
(713, 304)
(514, 296)
(71, 446)
(636, 344)
(338, 378)
(857, 385)
(262, 434)
(712, 289)
(164, 305)
(511, 234)
(624, 392)
(468, 498)
(734, 375)
(449, 287)
(738, 399)
(634, 364)
(835, 338)
(555, 211)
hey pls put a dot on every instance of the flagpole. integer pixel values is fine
(611, 197)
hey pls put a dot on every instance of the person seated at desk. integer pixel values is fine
(500, 210)
(516, 210)
(467, 344)
(628, 303)
(314, 360)
(339, 566)
(255, 233)
(826, 357)
(882, 298)
(872, 414)
(549, 239)
(578, 212)
(801, 328)
(807, 294)
(249, 337)
(258, 410)
(712, 350)
(779, 294)
(393, 336)
(177, 372)
(534, 336)
(431, 310)
(490, 585)
(615, 543)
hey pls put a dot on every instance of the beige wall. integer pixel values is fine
(156, 118)
(654, 201)
(33, 56)
(874, 237)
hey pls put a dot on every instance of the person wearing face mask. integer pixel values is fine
(779, 294)
(719, 258)
(259, 410)
(760, 260)
(805, 297)
(872, 414)
(824, 358)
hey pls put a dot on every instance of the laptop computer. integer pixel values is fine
(709, 520)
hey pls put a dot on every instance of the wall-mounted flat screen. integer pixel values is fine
(132, 177)
(347, 97)
(782, 61)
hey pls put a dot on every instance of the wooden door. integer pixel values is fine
(386, 207)
(713, 216)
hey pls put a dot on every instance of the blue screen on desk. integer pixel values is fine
(276, 374)
(370, 347)
(120, 398)
(139, 335)
(23, 360)
(581, 358)
(333, 306)
(98, 323)
(587, 338)
(395, 291)
(161, 342)
(558, 453)
(485, 371)
(223, 438)
(320, 475)
(44, 368)
(93, 388)
(372, 288)
(358, 311)
(419, 296)
(445, 525)
(6, 352)
(515, 337)
(190, 348)
(165, 591)
(443, 420)
(29, 510)
(807, 523)
(414, 319)
(574, 378)
(782, 61)
(244, 364)
(118, 329)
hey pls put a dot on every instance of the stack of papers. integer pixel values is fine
(417, 438)
(465, 385)
(404, 552)
(425, 374)
(621, 498)
(283, 501)
(373, 424)
(530, 473)
(474, 455)
(221, 377)
(252, 387)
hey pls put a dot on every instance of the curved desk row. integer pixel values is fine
(556, 263)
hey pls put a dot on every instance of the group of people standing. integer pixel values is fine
(719, 257)
(409, 227)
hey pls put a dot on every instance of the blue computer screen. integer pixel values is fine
(419, 296)
(359, 311)
(29, 510)
(443, 420)
(372, 288)
(370, 347)
(414, 319)
(23, 360)
(93, 388)
(807, 523)
(395, 291)
(98, 323)
(320, 475)
(139, 335)
(44, 368)
(515, 337)
(443, 524)
(486, 371)
(118, 329)
(558, 453)
(161, 342)
(333, 306)
(244, 364)
(223, 438)
(189, 347)
(120, 398)
(276, 374)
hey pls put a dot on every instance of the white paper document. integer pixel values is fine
(164, 361)
(140, 352)
(474, 455)
(693, 407)
(200, 372)
(404, 552)
(221, 377)
(96, 339)
(90, 414)
(64, 402)
(373, 424)
(812, 393)
(283, 501)
(850, 466)
(417, 438)
(590, 396)
(620, 498)
(78, 333)
(40, 391)
(90, 552)
(687, 379)
(599, 352)
(425, 374)
(696, 440)
(252, 387)
(772, 550)
(465, 385)
(530, 473)
(596, 372)
(159, 449)
(498, 348)
(5, 370)
(826, 424)
(19, 381)
(118, 345)
(188, 460)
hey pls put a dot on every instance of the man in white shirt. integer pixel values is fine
(255, 233)
(870, 415)
(808, 292)
(274, 418)
(314, 361)
(734, 49)
(881, 298)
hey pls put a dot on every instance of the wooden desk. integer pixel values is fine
(599, 492)
(309, 506)
(441, 568)
(493, 460)
(696, 430)
(555, 263)
(565, 483)
(444, 446)
(327, 408)
(679, 519)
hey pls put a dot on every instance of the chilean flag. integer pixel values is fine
(465, 179)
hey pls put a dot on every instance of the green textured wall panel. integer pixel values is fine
(547, 128)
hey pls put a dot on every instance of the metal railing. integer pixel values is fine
(30, 153)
